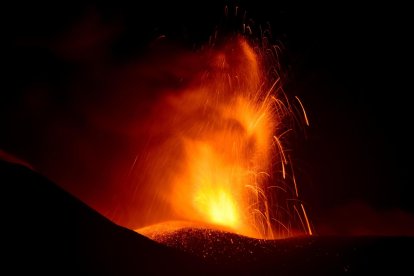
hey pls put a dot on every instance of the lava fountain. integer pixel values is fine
(216, 153)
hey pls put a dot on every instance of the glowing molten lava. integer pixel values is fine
(215, 149)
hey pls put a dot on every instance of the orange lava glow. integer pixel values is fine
(218, 148)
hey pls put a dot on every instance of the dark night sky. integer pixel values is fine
(347, 63)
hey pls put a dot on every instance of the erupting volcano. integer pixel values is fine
(217, 153)
(148, 138)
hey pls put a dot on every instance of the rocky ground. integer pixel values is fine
(46, 230)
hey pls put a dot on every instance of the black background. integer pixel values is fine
(348, 63)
